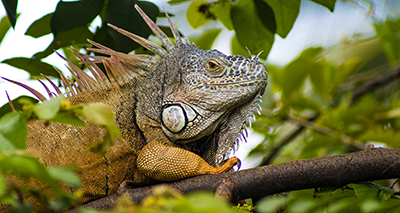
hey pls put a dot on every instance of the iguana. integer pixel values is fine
(179, 113)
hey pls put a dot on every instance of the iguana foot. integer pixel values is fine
(227, 166)
(163, 162)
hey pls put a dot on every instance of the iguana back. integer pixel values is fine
(179, 114)
(65, 145)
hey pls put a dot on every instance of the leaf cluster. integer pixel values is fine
(166, 199)
(344, 105)
(15, 160)
(360, 197)
(314, 107)
(255, 22)
(70, 25)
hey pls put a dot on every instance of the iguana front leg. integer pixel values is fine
(164, 162)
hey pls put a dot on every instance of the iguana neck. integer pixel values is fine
(152, 88)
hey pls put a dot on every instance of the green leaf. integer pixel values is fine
(369, 206)
(102, 147)
(40, 27)
(345, 199)
(4, 27)
(66, 38)
(99, 113)
(48, 109)
(250, 29)
(389, 136)
(294, 74)
(173, 2)
(206, 40)
(27, 167)
(388, 34)
(371, 190)
(17, 105)
(301, 103)
(21, 208)
(339, 205)
(304, 205)
(314, 148)
(393, 113)
(222, 10)
(13, 131)
(319, 76)
(102, 114)
(70, 15)
(198, 13)
(237, 48)
(271, 204)
(285, 12)
(390, 205)
(206, 202)
(11, 9)
(330, 4)
(3, 184)
(122, 14)
(346, 70)
(65, 175)
(68, 118)
(33, 66)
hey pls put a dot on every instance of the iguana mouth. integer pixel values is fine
(241, 83)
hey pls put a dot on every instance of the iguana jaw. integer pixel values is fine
(224, 133)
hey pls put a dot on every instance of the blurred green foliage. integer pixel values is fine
(16, 160)
(361, 197)
(165, 199)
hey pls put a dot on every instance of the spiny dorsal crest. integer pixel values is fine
(120, 67)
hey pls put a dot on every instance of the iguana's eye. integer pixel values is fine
(213, 67)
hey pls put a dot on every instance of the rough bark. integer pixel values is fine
(332, 171)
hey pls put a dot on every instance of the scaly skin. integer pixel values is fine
(179, 114)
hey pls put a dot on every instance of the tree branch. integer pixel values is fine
(332, 171)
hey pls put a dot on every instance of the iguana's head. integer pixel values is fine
(217, 95)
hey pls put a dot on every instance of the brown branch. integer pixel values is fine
(332, 171)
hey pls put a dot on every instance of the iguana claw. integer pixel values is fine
(227, 166)
(238, 164)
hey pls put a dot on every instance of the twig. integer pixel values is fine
(374, 84)
(275, 150)
(311, 125)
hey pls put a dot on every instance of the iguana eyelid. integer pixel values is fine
(214, 67)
